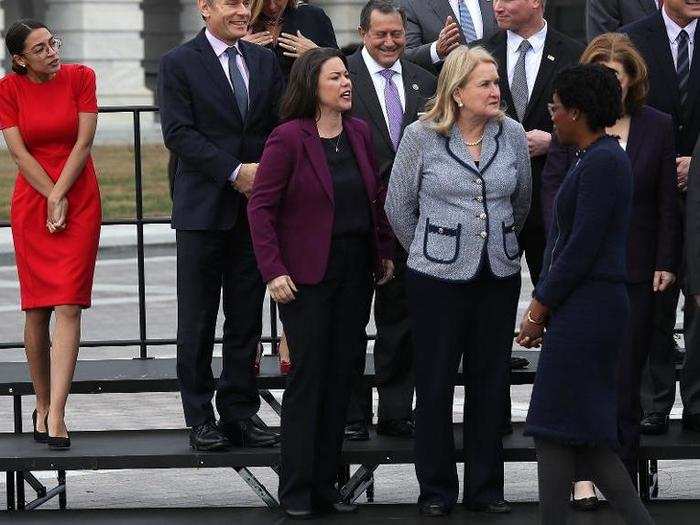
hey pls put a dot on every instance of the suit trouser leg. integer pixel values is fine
(659, 376)
(486, 362)
(393, 351)
(200, 261)
(690, 376)
(633, 356)
(441, 328)
(243, 295)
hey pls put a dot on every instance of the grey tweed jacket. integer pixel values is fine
(452, 217)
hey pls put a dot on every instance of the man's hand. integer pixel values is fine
(246, 177)
(388, 267)
(538, 142)
(448, 39)
(662, 280)
(263, 38)
(282, 289)
(682, 167)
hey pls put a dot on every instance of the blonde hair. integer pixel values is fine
(442, 111)
(256, 7)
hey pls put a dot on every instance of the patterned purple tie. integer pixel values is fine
(394, 110)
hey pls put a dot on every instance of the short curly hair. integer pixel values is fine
(594, 90)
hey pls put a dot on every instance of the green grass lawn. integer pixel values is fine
(115, 172)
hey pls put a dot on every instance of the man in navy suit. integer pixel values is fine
(217, 95)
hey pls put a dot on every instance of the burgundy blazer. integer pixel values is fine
(654, 241)
(291, 208)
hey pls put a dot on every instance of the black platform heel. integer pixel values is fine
(56, 443)
(39, 437)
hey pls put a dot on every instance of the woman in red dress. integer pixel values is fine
(48, 115)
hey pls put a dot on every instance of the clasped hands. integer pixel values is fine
(56, 213)
(293, 45)
(282, 288)
(533, 325)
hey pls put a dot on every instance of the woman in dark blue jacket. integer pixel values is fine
(582, 299)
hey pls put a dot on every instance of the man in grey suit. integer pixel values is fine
(607, 16)
(436, 27)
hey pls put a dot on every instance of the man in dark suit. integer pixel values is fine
(436, 27)
(666, 40)
(607, 16)
(388, 93)
(216, 93)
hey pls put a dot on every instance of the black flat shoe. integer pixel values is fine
(654, 424)
(55, 443)
(584, 504)
(433, 510)
(245, 433)
(207, 438)
(39, 437)
(338, 507)
(300, 514)
(518, 363)
(495, 507)
(356, 432)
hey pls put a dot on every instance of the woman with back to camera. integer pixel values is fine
(321, 239)
(48, 116)
(459, 193)
(653, 246)
(581, 297)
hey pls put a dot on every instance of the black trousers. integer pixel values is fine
(207, 263)
(556, 464)
(633, 357)
(451, 320)
(393, 355)
(325, 326)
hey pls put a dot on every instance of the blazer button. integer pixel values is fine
(482, 216)
(483, 235)
(477, 181)
(479, 199)
(441, 231)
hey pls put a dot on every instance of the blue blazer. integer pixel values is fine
(203, 128)
(592, 212)
(655, 228)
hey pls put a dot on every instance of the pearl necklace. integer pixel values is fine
(481, 139)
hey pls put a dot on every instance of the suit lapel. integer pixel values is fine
(443, 9)
(368, 95)
(500, 52)
(252, 63)
(213, 66)
(488, 17)
(662, 52)
(314, 148)
(548, 64)
(694, 79)
(635, 136)
(649, 6)
(411, 94)
(360, 150)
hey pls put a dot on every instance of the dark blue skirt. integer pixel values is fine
(574, 399)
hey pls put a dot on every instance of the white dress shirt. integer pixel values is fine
(533, 58)
(673, 30)
(475, 12)
(378, 80)
(220, 47)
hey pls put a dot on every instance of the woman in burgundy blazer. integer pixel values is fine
(320, 237)
(653, 247)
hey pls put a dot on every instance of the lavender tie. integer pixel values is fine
(394, 110)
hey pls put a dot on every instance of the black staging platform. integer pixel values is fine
(664, 513)
(147, 449)
(158, 375)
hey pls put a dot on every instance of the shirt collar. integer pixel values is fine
(374, 67)
(218, 45)
(673, 29)
(536, 40)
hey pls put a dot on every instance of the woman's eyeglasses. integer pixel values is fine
(43, 50)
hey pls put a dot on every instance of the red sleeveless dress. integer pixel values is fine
(54, 269)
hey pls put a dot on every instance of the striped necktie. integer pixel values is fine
(683, 66)
(465, 20)
(518, 88)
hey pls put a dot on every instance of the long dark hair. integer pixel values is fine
(301, 98)
(16, 38)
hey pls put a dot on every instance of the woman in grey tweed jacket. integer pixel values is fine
(458, 195)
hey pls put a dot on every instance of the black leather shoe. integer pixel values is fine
(402, 428)
(300, 514)
(691, 422)
(206, 437)
(433, 510)
(39, 437)
(356, 432)
(245, 433)
(654, 424)
(55, 443)
(518, 363)
(338, 507)
(495, 507)
(583, 504)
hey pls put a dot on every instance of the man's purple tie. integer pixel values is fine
(394, 110)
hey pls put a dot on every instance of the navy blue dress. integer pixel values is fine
(574, 398)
